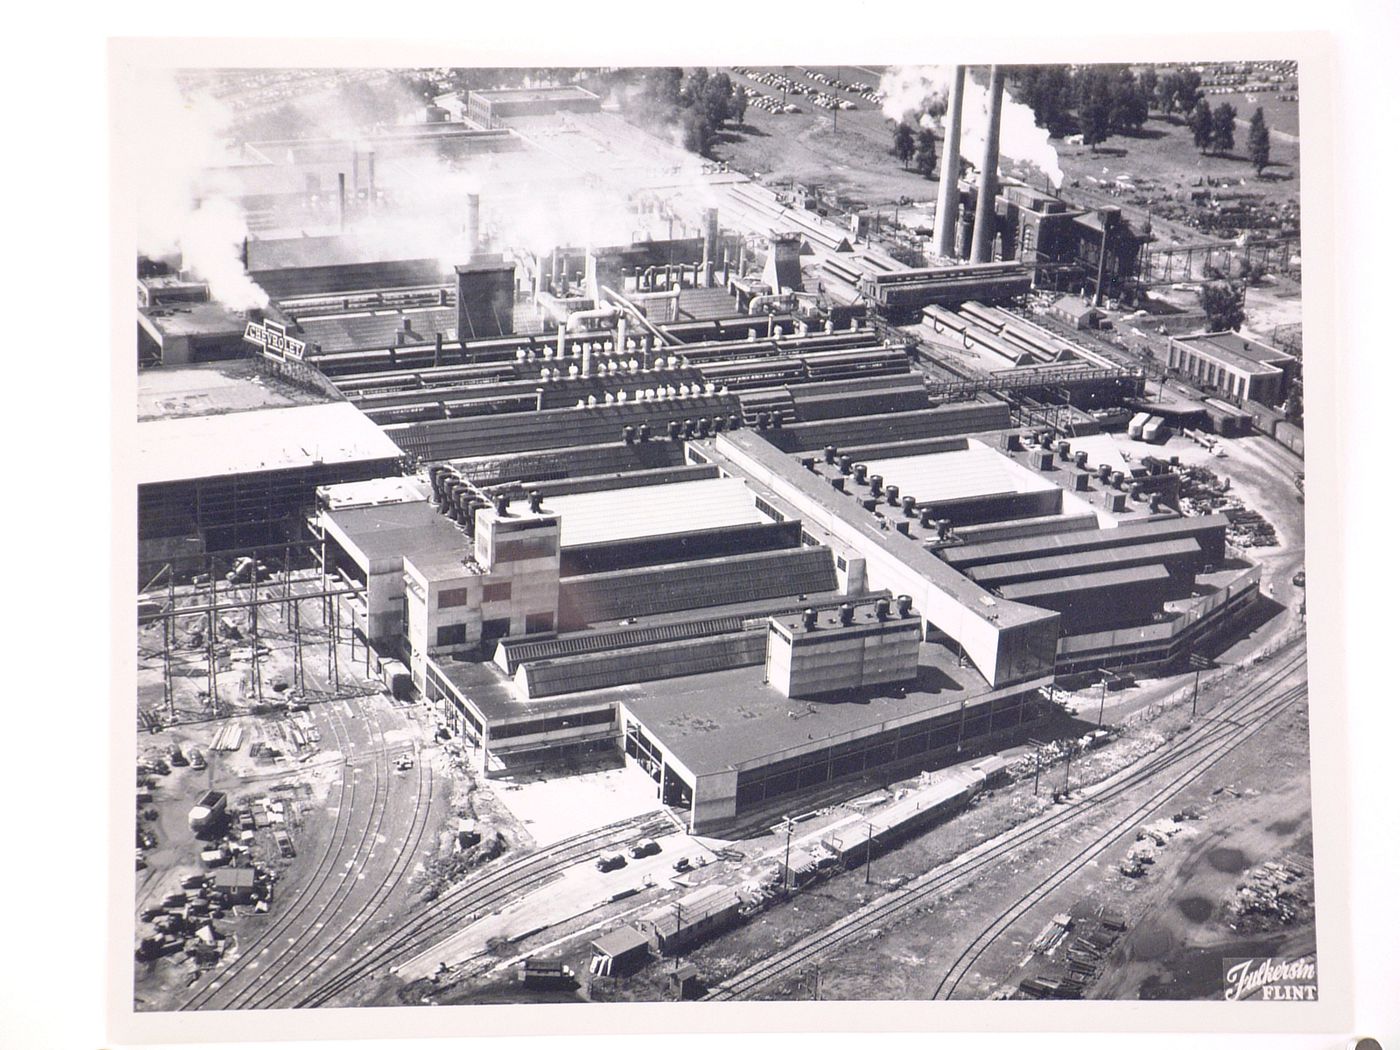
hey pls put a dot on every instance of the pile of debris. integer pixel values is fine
(1085, 955)
(185, 919)
(1273, 894)
(1151, 838)
(1203, 492)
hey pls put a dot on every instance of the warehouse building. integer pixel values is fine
(1239, 368)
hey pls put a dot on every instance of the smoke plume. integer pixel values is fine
(181, 137)
(918, 90)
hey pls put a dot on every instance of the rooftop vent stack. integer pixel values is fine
(719, 424)
(689, 428)
(536, 501)
(734, 422)
(904, 604)
(945, 528)
(908, 502)
(848, 614)
(1081, 459)
(673, 430)
(473, 225)
(629, 434)
(845, 464)
(502, 502)
(830, 453)
(926, 517)
(946, 219)
(809, 619)
(1104, 471)
(809, 463)
(882, 609)
(777, 421)
(765, 420)
(1045, 437)
(1154, 502)
(892, 495)
(1064, 450)
(435, 479)
(877, 484)
(702, 426)
(1136, 493)
(644, 432)
(1117, 479)
(861, 470)
(984, 225)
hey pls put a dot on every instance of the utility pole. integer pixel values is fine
(869, 834)
(1103, 694)
(787, 851)
(1198, 663)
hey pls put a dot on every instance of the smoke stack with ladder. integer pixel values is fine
(984, 225)
(946, 221)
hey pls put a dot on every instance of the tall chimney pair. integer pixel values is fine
(984, 224)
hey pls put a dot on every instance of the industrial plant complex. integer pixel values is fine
(724, 495)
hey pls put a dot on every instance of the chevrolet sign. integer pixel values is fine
(274, 340)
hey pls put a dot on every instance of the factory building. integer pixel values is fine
(1238, 367)
(487, 109)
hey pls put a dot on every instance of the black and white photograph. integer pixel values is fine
(730, 532)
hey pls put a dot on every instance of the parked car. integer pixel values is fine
(610, 861)
(645, 848)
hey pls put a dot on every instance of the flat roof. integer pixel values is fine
(535, 94)
(391, 531)
(1032, 589)
(195, 318)
(725, 719)
(186, 448)
(1234, 349)
(213, 388)
(621, 940)
(959, 474)
(653, 510)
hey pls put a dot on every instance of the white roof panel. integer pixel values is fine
(653, 510)
(193, 447)
(977, 470)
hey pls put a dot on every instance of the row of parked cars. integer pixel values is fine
(642, 848)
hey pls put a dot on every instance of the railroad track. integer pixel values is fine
(968, 958)
(487, 891)
(320, 953)
(319, 879)
(1199, 747)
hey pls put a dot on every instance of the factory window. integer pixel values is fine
(452, 634)
(496, 592)
(537, 622)
(519, 550)
(493, 629)
(767, 508)
(840, 563)
(452, 599)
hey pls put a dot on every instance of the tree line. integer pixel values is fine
(700, 103)
(1098, 102)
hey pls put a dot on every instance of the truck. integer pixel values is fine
(610, 861)
(209, 812)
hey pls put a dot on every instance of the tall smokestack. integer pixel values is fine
(369, 177)
(340, 176)
(945, 234)
(984, 226)
(711, 244)
(473, 225)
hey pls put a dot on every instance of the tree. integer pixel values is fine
(738, 106)
(694, 87)
(716, 96)
(1202, 125)
(1222, 132)
(1179, 90)
(1147, 81)
(1258, 141)
(1128, 109)
(1049, 91)
(663, 85)
(1096, 94)
(903, 143)
(1223, 303)
(696, 133)
(925, 159)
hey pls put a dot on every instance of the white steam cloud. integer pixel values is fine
(919, 89)
(179, 138)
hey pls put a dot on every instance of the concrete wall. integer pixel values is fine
(831, 659)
